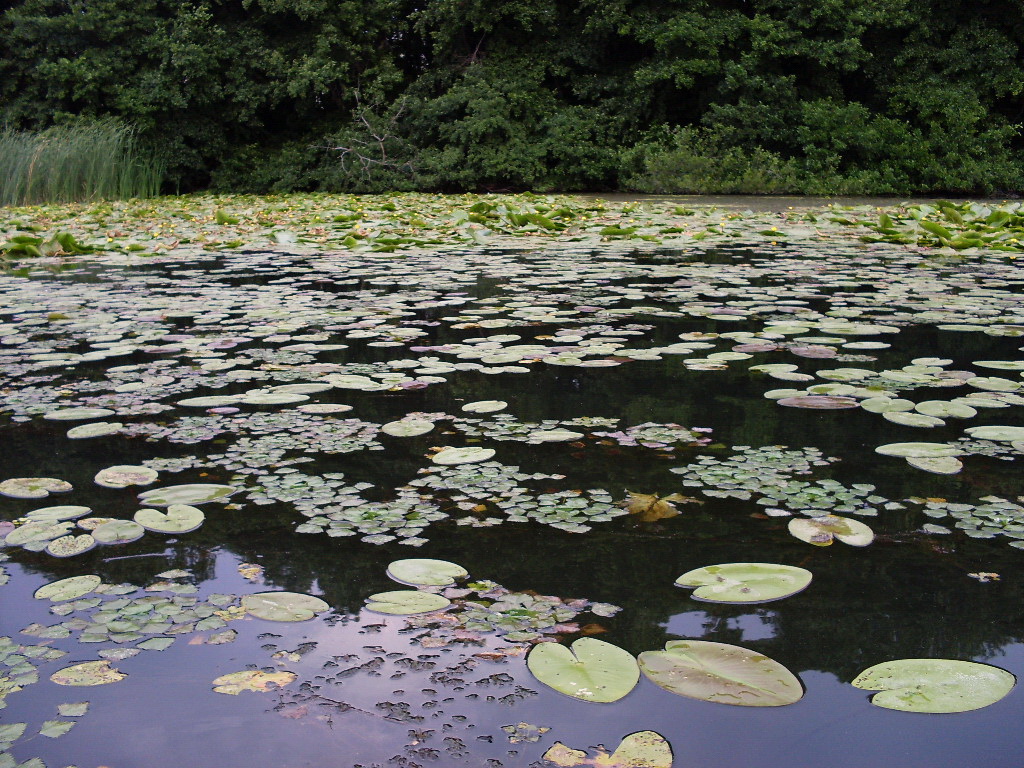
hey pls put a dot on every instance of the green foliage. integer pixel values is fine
(81, 161)
(824, 97)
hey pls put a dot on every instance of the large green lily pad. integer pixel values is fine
(69, 546)
(997, 433)
(118, 532)
(745, 582)
(935, 685)
(88, 673)
(721, 673)
(283, 606)
(821, 531)
(196, 493)
(918, 450)
(407, 427)
(179, 518)
(590, 670)
(56, 514)
(33, 487)
(95, 429)
(470, 455)
(405, 602)
(124, 475)
(77, 414)
(422, 572)
(68, 589)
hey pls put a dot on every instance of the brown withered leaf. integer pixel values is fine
(649, 507)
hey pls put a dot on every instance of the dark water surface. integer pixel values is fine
(367, 692)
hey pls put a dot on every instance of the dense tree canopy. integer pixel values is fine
(827, 96)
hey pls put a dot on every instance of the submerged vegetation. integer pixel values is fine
(228, 422)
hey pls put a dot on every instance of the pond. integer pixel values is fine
(574, 425)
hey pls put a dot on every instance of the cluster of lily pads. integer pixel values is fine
(268, 360)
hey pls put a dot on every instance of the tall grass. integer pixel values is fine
(72, 163)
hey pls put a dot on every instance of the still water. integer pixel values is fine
(616, 367)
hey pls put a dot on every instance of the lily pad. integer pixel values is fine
(469, 455)
(819, 402)
(28, 533)
(283, 606)
(69, 546)
(485, 406)
(77, 414)
(56, 514)
(643, 749)
(909, 419)
(553, 436)
(918, 450)
(935, 685)
(721, 673)
(426, 573)
(940, 465)
(590, 670)
(68, 589)
(943, 409)
(95, 429)
(118, 532)
(406, 602)
(234, 683)
(88, 673)
(33, 487)
(407, 427)
(197, 493)
(745, 582)
(179, 518)
(820, 531)
(997, 433)
(124, 475)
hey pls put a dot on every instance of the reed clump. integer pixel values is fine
(80, 162)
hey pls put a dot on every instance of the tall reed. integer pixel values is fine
(78, 162)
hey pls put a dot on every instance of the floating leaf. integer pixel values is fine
(197, 493)
(485, 406)
(33, 487)
(425, 572)
(55, 728)
(123, 475)
(406, 602)
(88, 673)
(118, 532)
(649, 507)
(940, 465)
(95, 429)
(745, 582)
(56, 514)
(407, 427)
(73, 710)
(590, 670)
(819, 402)
(935, 685)
(69, 546)
(643, 749)
(179, 518)
(469, 455)
(68, 589)
(997, 433)
(553, 436)
(918, 450)
(77, 414)
(721, 673)
(251, 680)
(820, 531)
(283, 606)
